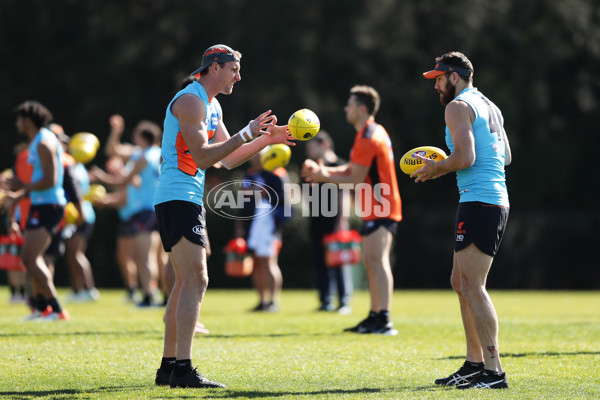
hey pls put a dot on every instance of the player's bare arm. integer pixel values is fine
(191, 111)
(459, 119)
(116, 180)
(347, 173)
(266, 132)
(49, 165)
(113, 146)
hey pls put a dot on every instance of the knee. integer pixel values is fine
(29, 260)
(469, 289)
(456, 285)
(199, 281)
(373, 261)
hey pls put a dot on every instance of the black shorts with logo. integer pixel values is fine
(179, 218)
(47, 216)
(482, 224)
(369, 227)
(141, 222)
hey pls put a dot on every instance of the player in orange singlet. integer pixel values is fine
(372, 170)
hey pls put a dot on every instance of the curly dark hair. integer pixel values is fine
(36, 111)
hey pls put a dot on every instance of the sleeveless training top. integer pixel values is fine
(180, 177)
(81, 175)
(55, 194)
(484, 181)
(142, 197)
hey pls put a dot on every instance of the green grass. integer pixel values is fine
(550, 344)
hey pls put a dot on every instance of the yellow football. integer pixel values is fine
(71, 213)
(97, 192)
(275, 156)
(409, 163)
(83, 146)
(86, 137)
(304, 124)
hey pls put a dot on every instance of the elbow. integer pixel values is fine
(467, 161)
(203, 165)
(228, 164)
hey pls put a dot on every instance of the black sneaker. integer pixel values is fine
(326, 307)
(193, 379)
(382, 328)
(271, 307)
(363, 326)
(464, 375)
(162, 377)
(487, 380)
(260, 307)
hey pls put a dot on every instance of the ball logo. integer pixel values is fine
(197, 229)
(307, 135)
(421, 153)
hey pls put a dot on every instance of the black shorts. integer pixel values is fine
(86, 229)
(369, 227)
(47, 216)
(179, 218)
(140, 222)
(482, 224)
(57, 245)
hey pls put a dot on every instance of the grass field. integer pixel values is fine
(110, 349)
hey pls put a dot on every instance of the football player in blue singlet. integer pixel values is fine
(137, 240)
(479, 150)
(47, 205)
(194, 139)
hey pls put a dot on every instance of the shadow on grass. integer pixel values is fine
(160, 333)
(539, 354)
(256, 394)
(207, 393)
(67, 393)
(84, 333)
(259, 335)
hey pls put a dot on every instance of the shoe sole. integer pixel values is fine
(391, 332)
(195, 387)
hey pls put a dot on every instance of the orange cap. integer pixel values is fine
(441, 68)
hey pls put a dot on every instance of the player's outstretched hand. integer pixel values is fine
(259, 125)
(117, 124)
(313, 171)
(280, 134)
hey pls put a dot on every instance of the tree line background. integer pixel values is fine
(537, 60)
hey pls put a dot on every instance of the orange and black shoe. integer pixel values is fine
(56, 316)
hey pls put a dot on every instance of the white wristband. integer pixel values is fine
(245, 133)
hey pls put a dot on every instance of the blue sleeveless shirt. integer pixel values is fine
(83, 178)
(55, 194)
(180, 177)
(484, 181)
(142, 197)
